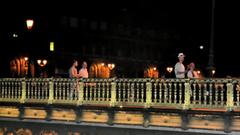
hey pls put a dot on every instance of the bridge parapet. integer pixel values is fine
(139, 92)
(182, 103)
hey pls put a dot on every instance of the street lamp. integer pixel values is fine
(111, 66)
(29, 23)
(213, 72)
(169, 69)
(198, 72)
(26, 58)
(42, 63)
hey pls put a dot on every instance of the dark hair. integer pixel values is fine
(75, 60)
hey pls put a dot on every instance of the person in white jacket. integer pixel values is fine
(179, 68)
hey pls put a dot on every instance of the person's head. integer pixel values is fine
(181, 57)
(84, 64)
(75, 63)
(191, 66)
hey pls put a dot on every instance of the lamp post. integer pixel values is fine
(213, 72)
(211, 48)
(29, 24)
(169, 70)
(111, 67)
(26, 66)
(42, 64)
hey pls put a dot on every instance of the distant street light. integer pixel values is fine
(111, 66)
(199, 72)
(213, 72)
(201, 47)
(169, 69)
(42, 63)
(15, 35)
(154, 68)
(26, 58)
(29, 23)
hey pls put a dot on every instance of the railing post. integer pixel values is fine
(229, 95)
(113, 93)
(187, 89)
(80, 91)
(23, 98)
(51, 87)
(148, 93)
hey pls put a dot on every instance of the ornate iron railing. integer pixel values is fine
(141, 92)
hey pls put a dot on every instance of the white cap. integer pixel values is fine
(181, 54)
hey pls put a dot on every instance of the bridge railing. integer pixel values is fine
(11, 89)
(208, 93)
(236, 93)
(139, 92)
(168, 93)
(131, 92)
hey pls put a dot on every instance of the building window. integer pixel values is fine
(93, 25)
(73, 22)
(83, 23)
(103, 26)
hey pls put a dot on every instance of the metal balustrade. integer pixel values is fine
(131, 92)
(37, 90)
(139, 92)
(11, 89)
(65, 90)
(168, 92)
(96, 91)
(236, 93)
(208, 93)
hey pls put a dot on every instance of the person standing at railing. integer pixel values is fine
(179, 68)
(73, 70)
(73, 73)
(190, 72)
(83, 72)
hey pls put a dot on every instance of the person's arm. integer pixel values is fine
(80, 73)
(74, 72)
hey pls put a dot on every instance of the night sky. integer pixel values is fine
(188, 19)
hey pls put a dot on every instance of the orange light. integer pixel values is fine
(154, 68)
(102, 64)
(199, 72)
(26, 58)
